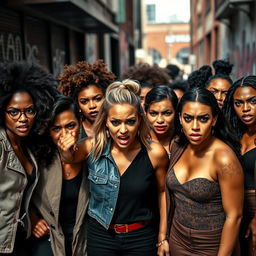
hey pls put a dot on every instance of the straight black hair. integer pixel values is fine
(221, 129)
(158, 94)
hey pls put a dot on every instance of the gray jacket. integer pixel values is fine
(13, 181)
(46, 201)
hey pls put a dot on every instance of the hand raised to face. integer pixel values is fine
(67, 141)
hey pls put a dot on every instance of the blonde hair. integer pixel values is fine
(124, 92)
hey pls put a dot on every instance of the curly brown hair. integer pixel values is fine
(83, 74)
(144, 73)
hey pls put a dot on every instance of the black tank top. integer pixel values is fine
(137, 194)
(248, 163)
(68, 203)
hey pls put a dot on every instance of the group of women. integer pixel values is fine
(87, 169)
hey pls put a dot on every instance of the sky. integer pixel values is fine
(171, 10)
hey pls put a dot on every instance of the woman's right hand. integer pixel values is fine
(67, 145)
(67, 142)
(40, 228)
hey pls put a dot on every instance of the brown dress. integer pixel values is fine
(198, 217)
(193, 224)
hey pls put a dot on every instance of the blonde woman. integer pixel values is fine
(126, 172)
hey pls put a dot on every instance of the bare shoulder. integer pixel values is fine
(85, 145)
(227, 163)
(157, 153)
(156, 149)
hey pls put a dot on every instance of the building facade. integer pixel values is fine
(53, 33)
(166, 39)
(224, 29)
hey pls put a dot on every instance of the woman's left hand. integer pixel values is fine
(252, 229)
(163, 249)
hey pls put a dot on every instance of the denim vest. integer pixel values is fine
(104, 182)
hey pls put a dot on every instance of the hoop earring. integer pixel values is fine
(212, 131)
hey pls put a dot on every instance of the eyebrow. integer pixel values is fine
(97, 95)
(246, 99)
(31, 106)
(197, 115)
(117, 119)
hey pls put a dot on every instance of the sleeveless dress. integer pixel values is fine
(198, 217)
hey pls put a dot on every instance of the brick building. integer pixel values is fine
(224, 29)
(164, 41)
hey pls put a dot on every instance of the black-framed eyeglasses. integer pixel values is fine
(15, 113)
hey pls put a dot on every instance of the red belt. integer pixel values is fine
(125, 228)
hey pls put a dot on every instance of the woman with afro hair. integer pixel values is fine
(26, 95)
(86, 84)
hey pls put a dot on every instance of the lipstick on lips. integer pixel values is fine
(93, 113)
(123, 140)
(195, 136)
(247, 118)
(160, 128)
(23, 128)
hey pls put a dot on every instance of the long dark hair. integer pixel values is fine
(48, 149)
(228, 109)
(160, 93)
(221, 129)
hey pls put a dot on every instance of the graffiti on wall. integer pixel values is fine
(11, 49)
(32, 52)
(244, 57)
(58, 62)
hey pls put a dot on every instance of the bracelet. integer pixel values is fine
(160, 243)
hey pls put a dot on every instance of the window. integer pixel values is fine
(156, 56)
(151, 13)
(182, 56)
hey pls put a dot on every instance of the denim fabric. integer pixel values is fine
(104, 182)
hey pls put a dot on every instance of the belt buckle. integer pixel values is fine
(120, 225)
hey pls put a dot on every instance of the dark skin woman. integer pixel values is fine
(26, 96)
(240, 110)
(220, 83)
(86, 84)
(160, 106)
(204, 180)
(61, 196)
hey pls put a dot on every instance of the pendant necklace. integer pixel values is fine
(66, 173)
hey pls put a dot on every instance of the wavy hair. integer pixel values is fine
(48, 149)
(124, 92)
(228, 109)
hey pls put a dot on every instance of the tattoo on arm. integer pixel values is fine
(229, 169)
